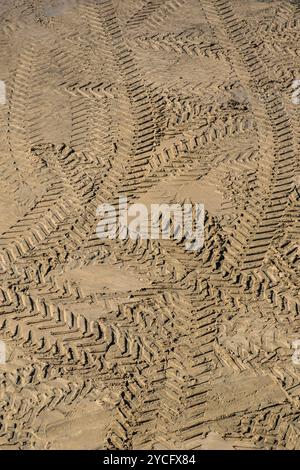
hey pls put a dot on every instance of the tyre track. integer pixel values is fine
(252, 243)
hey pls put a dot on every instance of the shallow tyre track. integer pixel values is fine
(157, 350)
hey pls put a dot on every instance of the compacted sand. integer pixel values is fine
(117, 344)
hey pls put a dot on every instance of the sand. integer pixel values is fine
(143, 344)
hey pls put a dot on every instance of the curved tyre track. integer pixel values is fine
(171, 345)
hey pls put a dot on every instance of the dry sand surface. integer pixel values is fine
(143, 344)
